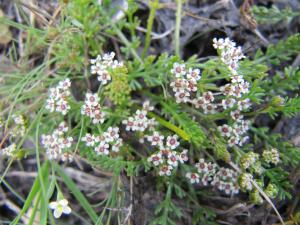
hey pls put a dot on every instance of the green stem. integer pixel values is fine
(177, 27)
(154, 6)
(170, 126)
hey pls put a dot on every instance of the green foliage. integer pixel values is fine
(84, 31)
(166, 209)
(282, 51)
(273, 15)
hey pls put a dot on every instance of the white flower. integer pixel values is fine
(96, 60)
(183, 156)
(209, 108)
(165, 170)
(208, 97)
(62, 106)
(205, 179)
(193, 177)
(155, 159)
(50, 104)
(218, 43)
(225, 130)
(155, 138)
(66, 157)
(129, 123)
(102, 148)
(179, 84)
(89, 139)
(65, 84)
(98, 117)
(61, 129)
(172, 141)
(116, 146)
(147, 106)
(91, 99)
(112, 134)
(182, 96)
(191, 86)
(237, 79)
(198, 102)
(178, 70)
(244, 104)
(227, 89)
(228, 103)
(236, 115)
(172, 159)
(66, 142)
(201, 166)
(103, 76)
(233, 140)
(193, 74)
(60, 207)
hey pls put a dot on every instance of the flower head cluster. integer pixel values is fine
(271, 156)
(245, 181)
(230, 54)
(230, 97)
(166, 158)
(58, 95)
(9, 150)
(60, 207)
(92, 108)
(233, 92)
(248, 160)
(271, 190)
(20, 126)
(57, 142)
(208, 173)
(185, 82)
(140, 121)
(105, 143)
(102, 66)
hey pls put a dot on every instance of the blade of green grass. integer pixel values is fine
(33, 192)
(76, 192)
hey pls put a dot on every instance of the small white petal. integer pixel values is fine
(66, 210)
(57, 213)
(53, 205)
(63, 202)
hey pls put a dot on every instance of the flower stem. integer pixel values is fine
(177, 27)
(154, 6)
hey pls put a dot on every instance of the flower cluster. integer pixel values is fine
(230, 97)
(166, 158)
(208, 173)
(230, 54)
(140, 121)
(102, 66)
(20, 127)
(109, 140)
(60, 207)
(185, 82)
(9, 150)
(57, 142)
(58, 95)
(92, 108)
(245, 181)
(248, 160)
(271, 156)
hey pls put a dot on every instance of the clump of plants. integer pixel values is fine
(188, 126)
